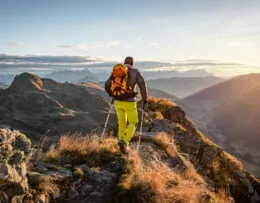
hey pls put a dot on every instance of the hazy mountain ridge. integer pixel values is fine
(231, 113)
(72, 76)
(182, 87)
(161, 74)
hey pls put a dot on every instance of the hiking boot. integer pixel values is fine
(123, 146)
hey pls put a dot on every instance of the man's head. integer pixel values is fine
(129, 60)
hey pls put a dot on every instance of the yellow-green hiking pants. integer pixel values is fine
(126, 111)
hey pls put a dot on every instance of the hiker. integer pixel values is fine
(122, 87)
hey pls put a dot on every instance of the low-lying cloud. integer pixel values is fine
(35, 59)
(38, 62)
(15, 44)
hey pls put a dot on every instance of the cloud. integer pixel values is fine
(75, 47)
(88, 47)
(112, 44)
(107, 45)
(35, 59)
(236, 44)
(16, 44)
(139, 41)
(155, 44)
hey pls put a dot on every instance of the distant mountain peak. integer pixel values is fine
(26, 82)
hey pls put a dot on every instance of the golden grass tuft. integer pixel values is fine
(163, 102)
(163, 141)
(79, 173)
(76, 149)
(233, 161)
(181, 127)
(52, 155)
(158, 183)
(47, 186)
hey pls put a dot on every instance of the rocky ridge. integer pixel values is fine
(170, 143)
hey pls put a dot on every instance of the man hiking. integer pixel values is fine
(122, 87)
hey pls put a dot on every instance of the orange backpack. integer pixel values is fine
(120, 89)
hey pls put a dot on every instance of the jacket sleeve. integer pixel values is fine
(142, 85)
(108, 85)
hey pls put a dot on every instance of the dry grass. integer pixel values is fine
(158, 183)
(233, 161)
(163, 141)
(133, 164)
(52, 155)
(181, 127)
(79, 173)
(163, 102)
(47, 186)
(77, 149)
(222, 197)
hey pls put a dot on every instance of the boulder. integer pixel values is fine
(15, 150)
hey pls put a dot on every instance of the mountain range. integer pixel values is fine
(229, 112)
(72, 75)
(183, 86)
(37, 106)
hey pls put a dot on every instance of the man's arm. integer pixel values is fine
(142, 85)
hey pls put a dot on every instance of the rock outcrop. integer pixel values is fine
(16, 151)
(220, 169)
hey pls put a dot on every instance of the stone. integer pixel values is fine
(64, 170)
(87, 188)
(41, 168)
(73, 194)
(241, 174)
(16, 151)
(96, 194)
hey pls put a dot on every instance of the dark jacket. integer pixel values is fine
(135, 77)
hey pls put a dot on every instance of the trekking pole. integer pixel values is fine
(141, 128)
(110, 110)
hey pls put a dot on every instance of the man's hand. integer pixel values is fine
(145, 105)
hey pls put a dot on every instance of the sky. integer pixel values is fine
(165, 30)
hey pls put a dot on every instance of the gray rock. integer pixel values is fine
(68, 166)
(41, 168)
(246, 182)
(96, 194)
(73, 194)
(15, 151)
(87, 188)
(241, 174)
(65, 171)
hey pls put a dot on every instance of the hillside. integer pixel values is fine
(35, 106)
(183, 86)
(175, 163)
(3, 86)
(231, 113)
